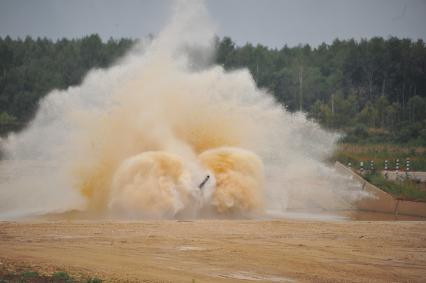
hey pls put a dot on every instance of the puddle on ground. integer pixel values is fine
(315, 215)
(243, 275)
(190, 248)
(378, 216)
(344, 215)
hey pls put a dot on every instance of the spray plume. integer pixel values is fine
(138, 140)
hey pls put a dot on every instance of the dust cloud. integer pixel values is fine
(165, 134)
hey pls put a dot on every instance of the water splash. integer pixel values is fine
(138, 139)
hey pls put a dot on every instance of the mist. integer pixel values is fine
(139, 138)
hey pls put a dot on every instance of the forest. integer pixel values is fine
(372, 90)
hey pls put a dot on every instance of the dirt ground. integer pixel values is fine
(221, 250)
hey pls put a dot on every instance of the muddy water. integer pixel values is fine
(377, 216)
(347, 215)
(329, 216)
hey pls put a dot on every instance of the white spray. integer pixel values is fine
(138, 139)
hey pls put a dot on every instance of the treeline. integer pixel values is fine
(374, 90)
(30, 68)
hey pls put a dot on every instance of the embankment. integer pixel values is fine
(381, 201)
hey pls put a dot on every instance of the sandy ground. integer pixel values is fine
(221, 250)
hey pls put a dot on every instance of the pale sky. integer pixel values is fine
(269, 22)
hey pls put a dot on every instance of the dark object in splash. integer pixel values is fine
(204, 182)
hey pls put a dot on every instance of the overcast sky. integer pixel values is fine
(269, 22)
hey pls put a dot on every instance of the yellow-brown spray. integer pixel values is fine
(147, 154)
(239, 179)
(138, 140)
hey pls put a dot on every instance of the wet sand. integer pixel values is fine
(291, 250)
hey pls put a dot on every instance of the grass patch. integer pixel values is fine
(404, 189)
(62, 276)
(7, 276)
(29, 274)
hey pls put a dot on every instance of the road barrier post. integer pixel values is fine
(407, 167)
(386, 169)
(397, 175)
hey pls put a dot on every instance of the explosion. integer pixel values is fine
(162, 134)
(160, 184)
